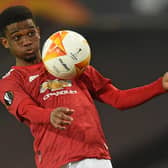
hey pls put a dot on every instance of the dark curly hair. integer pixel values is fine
(14, 14)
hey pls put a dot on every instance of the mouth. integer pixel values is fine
(30, 55)
(29, 51)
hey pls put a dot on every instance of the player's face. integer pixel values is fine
(23, 40)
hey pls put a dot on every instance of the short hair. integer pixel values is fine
(14, 14)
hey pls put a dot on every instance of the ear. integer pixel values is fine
(4, 42)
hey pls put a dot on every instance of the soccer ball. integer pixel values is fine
(66, 54)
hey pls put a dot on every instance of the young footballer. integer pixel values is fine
(62, 118)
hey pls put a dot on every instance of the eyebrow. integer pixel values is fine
(30, 27)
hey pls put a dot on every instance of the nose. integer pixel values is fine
(26, 41)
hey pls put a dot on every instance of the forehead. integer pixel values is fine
(18, 26)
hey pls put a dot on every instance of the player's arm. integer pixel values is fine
(124, 99)
(21, 105)
(106, 92)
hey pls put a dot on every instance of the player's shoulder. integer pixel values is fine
(90, 70)
(21, 72)
(89, 73)
(9, 74)
(8, 77)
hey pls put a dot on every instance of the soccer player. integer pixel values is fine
(63, 119)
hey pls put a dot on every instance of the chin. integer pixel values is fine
(31, 59)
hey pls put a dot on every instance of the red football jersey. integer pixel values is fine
(30, 93)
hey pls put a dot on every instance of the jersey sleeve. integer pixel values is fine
(94, 80)
(104, 91)
(19, 104)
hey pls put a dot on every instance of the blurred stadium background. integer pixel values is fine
(129, 45)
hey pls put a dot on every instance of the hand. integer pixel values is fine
(165, 81)
(60, 117)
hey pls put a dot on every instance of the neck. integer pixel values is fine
(21, 62)
(25, 63)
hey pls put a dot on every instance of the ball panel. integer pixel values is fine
(62, 66)
(76, 47)
(55, 47)
(84, 63)
(58, 35)
(57, 39)
(53, 53)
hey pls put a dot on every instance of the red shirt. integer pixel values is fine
(30, 93)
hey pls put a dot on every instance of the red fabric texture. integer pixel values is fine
(36, 93)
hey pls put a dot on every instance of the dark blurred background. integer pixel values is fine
(129, 45)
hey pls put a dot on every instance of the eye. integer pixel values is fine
(31, 33)
(16, 37)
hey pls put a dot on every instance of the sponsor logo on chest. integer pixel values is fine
(57, 88)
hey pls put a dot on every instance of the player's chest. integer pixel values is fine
(44, 88)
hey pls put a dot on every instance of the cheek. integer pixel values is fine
(15, 49)
(37, 44)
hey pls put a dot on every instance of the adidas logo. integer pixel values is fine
(31, 78)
